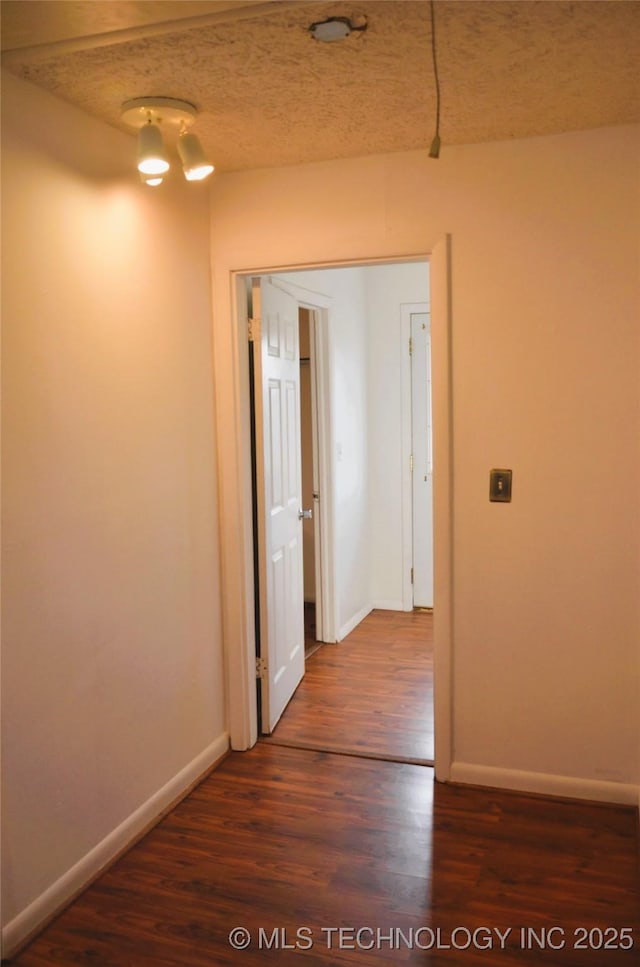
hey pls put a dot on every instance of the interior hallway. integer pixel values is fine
(295, 840)
(371, 694)
(289, 843)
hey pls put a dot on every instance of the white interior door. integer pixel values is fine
(422, 480)
(279, 490)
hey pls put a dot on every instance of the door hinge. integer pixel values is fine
(411, 463)
(412, 575)
(411, 345)
(254, 330)
(261, 667)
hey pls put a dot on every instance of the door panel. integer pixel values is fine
(279, 488)
(422, 482)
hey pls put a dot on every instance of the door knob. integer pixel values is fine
(305, 514)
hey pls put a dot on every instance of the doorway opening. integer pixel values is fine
(357, 405)
(230, 321)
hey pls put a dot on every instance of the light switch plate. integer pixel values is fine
(500, 486)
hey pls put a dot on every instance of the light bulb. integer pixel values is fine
(197, 174)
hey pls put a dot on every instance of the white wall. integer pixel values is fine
(366, 405)
(545, 381)
(112, 669)
(347, 341)
(387, 287)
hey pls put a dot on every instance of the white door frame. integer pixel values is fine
(233, 436)
(406, 310)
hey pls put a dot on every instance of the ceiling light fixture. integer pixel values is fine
(336, 28)
(194, 163)
(149, 114)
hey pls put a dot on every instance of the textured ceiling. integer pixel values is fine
(270, 95)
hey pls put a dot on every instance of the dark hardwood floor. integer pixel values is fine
(371, 694)
(305, 843)
(343, 859)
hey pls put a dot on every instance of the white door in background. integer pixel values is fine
(279, 492)
(422, 477)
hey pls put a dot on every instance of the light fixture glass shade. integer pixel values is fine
(194, 163)
(152, 159)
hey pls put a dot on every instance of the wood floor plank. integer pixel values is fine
(288, 838)
(371, 694)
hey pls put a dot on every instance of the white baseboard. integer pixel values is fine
(389, 606)
(70, 884)
(567, 787)
(354, 622)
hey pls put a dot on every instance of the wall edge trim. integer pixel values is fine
(77, 878)
(354, 621)
(558, 786)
